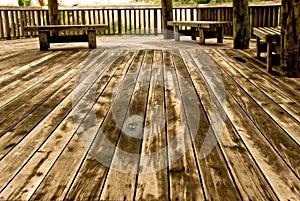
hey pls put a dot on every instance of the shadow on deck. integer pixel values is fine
(141, 118)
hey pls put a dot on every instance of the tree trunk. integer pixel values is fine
(241, 29)
(53, 12)
(290, 37)
(167, 15)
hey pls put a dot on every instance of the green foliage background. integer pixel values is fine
(198, 1)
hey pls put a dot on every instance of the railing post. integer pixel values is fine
(119, 22)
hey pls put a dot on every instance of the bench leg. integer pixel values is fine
(201, 36)
(269, 57)
(176, 33)
(193, 29)
(258, 47)
(92, 39)
(220, 34)
(44, 40)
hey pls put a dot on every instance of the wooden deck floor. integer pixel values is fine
(145, 119)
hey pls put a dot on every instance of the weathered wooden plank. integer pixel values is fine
(57, 182)
(121, 177)
(31, 143)
(283, 180)
(283, 91)
(287, 148)
(19, 103)
(282, 118)
(286, 86)
(83, 187)
(152, 182)
(216, 178)
(250, 181)
(32, 110)
(185, 183)
(18, 82)
(9, 75)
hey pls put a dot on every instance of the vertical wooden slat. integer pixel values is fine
(90, 17)
(155, 22)
(63, 20)
(6, 27)
(79, 21)
(149, 21)
(104, 20)
(144, 18)
(95, 16)
(44, 21)
(39, 15)
(12, 24)
(125, 21)
(17, 21)
(33, 17)
(108, 22)
(113, 21)
(140, 20)
(83, 17)
(119, 21)
(250, 20)
(134, 21)
(130, 21)
(1, 26)
(23, 23)
(192, 14)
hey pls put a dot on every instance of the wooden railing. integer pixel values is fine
(130, 19)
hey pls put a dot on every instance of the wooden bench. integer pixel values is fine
(271, 35)
(201, 29)
(47, 34)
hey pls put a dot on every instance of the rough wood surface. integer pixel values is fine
(217, 128)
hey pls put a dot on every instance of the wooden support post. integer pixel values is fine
(220, 34)
(193, 29)
(176, 33)
(53, 12)
(290, 37)
(167, 15)
(258, 48)
(92, 39)
(44, 40)
(241, 29)
(269, 57)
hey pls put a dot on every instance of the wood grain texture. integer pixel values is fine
(239, 159)
(68, 116)
(286, 182)
(184, 177)
(153, 184)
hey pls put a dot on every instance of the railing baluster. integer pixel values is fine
(12, 24)
(155, 22)
(6, 26)
(1, 26)
(119, 21)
